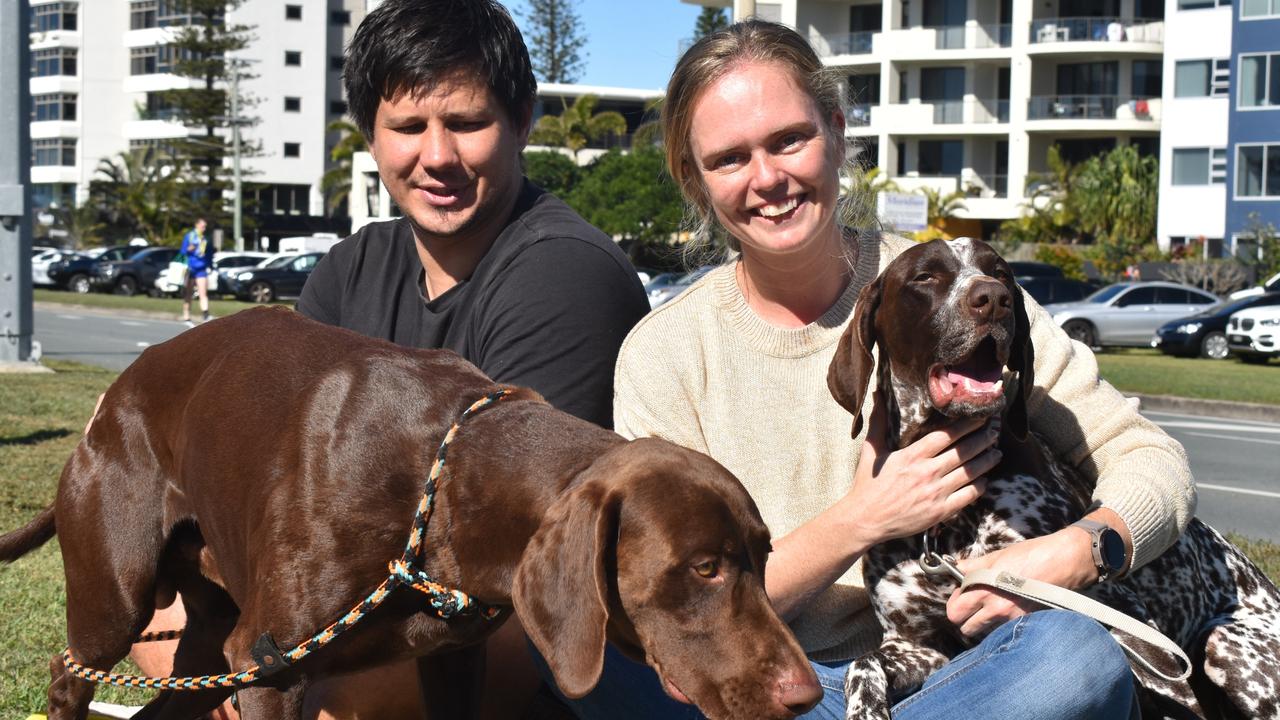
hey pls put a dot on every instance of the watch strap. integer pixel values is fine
(1095, 530)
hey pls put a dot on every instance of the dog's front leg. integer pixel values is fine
(453, 683)
(878, 679)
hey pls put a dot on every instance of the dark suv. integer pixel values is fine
(126, 277)
(72, 272)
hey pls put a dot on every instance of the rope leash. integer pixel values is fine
(406, 571)
(935, 566)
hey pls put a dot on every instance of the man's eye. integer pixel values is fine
(707, 568)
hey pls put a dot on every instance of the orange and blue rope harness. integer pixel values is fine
(404, 571)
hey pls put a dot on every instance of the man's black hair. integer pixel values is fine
(410, 45)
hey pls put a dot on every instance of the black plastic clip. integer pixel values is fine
(268, 656)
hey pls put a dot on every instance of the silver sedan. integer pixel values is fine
(1128, 313)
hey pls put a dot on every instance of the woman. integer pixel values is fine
(736, 368)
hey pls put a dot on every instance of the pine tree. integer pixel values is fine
(200, 53)
(709, 20)
(554, 40)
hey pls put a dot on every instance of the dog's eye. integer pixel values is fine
(707, 568)
(923, 278)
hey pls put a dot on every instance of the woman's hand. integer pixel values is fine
(906, 491)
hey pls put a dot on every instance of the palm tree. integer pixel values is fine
(82, 224)
(335, 184)
(139, 192)
(577, 126)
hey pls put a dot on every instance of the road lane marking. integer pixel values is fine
(1243, 491)
(71, 317)
(1237, 438)
(1221, 426)
(143, 344)
(132, 323)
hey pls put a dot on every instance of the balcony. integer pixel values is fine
(972, 36)
(832, 44)
(972, 110)
(1111, 30)
(1092, 107)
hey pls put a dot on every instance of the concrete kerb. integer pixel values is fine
(1210, 408)
(23, 368)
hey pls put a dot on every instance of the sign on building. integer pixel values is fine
(906, 212)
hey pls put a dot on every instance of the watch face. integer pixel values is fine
(1112, 549)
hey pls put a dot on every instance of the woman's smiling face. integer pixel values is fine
(764, 152)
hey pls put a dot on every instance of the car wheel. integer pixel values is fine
(1254, 359)
(127, 286)
(1214, 346)
(1080, 331)
(79, 284)
(261, 292)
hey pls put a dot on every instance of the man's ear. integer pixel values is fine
(523, 124)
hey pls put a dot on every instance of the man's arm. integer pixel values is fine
(555, 322)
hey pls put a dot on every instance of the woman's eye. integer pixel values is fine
(707, 568)
(725, 161)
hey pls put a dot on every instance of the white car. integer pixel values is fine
(1254, 334)
(224, 263)
(1271, 285)
(40, 263)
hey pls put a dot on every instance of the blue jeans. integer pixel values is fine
(1049, 665)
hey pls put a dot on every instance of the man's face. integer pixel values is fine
(200, 224)
(450, 159)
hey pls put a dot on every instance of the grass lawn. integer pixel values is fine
(1153, 373)
(172, 307)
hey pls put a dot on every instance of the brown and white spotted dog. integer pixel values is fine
(949, 320)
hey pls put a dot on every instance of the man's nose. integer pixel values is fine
(437, 149)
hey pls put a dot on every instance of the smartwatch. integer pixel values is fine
(1107, 545)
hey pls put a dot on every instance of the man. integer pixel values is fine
(482, 263)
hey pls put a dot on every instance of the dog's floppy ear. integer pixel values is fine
(560, 589)
(851, 368)
(1021, 360)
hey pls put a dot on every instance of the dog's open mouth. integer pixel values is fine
(974, 381)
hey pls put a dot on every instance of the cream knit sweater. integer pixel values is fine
(704, 371)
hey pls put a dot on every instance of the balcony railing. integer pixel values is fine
(1087, 107)
(854, 43)
(952, 112)
(950, 37)
(985, 185)
(973, 37)
(1097, 29)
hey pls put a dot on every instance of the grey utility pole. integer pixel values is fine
(236, 226)
(15, 173)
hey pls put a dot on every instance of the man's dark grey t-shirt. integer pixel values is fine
(547, 307)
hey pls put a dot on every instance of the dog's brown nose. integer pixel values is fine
(989, 300)
(798, 691)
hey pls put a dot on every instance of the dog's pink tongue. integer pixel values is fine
(964, 384)
(675, 693)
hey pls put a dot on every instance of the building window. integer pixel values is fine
(158, 107)
(1202, 4)
(293, 57)
(940, 157)
(1191, 78)
(337, 107)
(340, 17)
(142, 14)
(292, 12)
(157, 13)
(281, 199)
(336, 62)
(53, 61)
(155, 59)
(53, 16)
(1259, 80)
(53, 106)
(154, 147)
(292, 149)
(53, 152)
(1259, 8)
(293, 104)
(1258, 171)
(1147, 78)
(1199, 166)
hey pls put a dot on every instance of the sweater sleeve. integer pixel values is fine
(555, 321)
(1142, 472)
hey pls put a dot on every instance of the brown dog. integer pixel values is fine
(268, 468)
(1202, 592)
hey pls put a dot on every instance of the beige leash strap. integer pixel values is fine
(1054, 596)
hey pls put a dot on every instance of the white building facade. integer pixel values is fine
(969, 95)
(99, 69)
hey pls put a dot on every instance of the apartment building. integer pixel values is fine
(99, 70)
(1253, 143)
(969, 95)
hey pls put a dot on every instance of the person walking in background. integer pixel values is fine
(199, 253)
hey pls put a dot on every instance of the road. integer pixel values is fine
(1236, 462)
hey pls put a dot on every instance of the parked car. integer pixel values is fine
(1128, 313)
(41, 259)
(73, 272)
(661, 292)
(127, 277)
(1205, 333)
(1048, 289)
(277, 278)
(1271, 285)
(170, 283)
(1254, 334)
(1030, 268)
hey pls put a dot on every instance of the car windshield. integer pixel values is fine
(278, 262)
(1105, 294)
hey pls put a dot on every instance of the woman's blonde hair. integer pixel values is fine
(713, 57)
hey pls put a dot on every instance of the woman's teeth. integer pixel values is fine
(782, 208)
